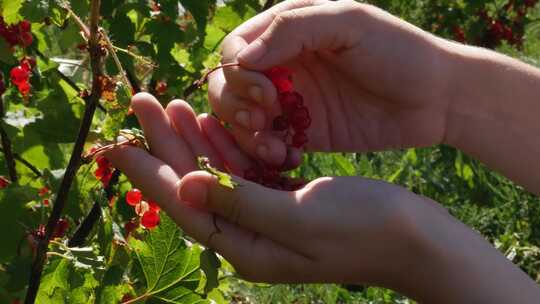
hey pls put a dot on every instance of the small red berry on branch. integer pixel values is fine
(134, 197)
(147, 210)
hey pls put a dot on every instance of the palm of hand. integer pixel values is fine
(347, 116)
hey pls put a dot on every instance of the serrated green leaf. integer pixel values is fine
(170, 267)
(55, 276)
(10, 10)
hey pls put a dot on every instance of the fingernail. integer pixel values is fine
(255, 92)
(193, 192)
(253, 52)
(262, 152)
(242, 117)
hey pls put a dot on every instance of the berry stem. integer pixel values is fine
(197, 84)
(96, 61)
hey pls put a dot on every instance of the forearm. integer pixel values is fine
(457, 265)
(494, 112)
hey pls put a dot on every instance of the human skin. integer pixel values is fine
(347, 229)
(340, 230)
(373, 82)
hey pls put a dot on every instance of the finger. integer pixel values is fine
(262, 145)
(246, 83)
(255, 26)
(236, 161)
(294, 31)
(272, 213)
(163, 140)
(232, 108)
(187, 126)
(255, 257)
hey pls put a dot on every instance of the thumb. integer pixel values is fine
(269, 212)
(316, 28)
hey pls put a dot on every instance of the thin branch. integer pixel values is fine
(86, 226)
(267, 5)
(75, 160)
(117, 62)
(26, 163)
(74, 86)
(6, 147)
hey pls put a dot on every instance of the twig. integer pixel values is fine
(117, 62)
(25, 163)
(6, 147)
(84, 229)
(267, 5)
(197, 84)
(75, 160)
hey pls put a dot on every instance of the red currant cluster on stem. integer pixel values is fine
(293, 122)
(147, 210)
(45, 194)
(104, 170)
(20, 75)
(16, 34)
(295, 116)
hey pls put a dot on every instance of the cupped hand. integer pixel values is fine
(350, 230)
(370, 80)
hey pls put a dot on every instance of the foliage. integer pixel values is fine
(163, 47)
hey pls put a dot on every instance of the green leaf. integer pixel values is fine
(210, 264)
(199, 9)
(12, 214)
(55, 277)
(170, 267)
(224, 179)
(10, 10)
(344, 165)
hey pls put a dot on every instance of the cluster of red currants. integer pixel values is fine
(20, 75)
(16, 34)
(293, 122)
(147, 210)
(508, 24)
(45, 194)
(61, 228)
(104, 170)
(295, 115)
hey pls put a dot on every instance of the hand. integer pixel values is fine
(321, 233)
(350, 230)
(370, 80)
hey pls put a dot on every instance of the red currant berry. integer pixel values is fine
(299, 139)
(25, 26)
(19, 75)
(43, 191)
(150, 219)
(300, 119)
(61, 228)
(134, 197)
(281, 78)
(153, 206)
(4, 182)
(290, 101)
(161, 87)
(130, 226)
(26, 39)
